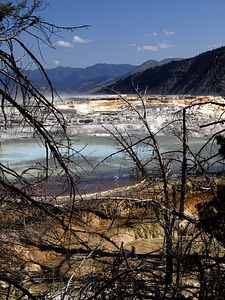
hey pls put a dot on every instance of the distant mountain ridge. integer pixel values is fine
(89, 79)
(203, 74)
(82, 80)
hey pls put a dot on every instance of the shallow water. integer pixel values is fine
(22, 153)
(96, 172)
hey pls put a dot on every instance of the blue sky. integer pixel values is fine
(133, 31)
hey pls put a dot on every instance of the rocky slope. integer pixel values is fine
(126, 219)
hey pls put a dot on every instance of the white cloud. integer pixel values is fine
(215, 46)
(63, 44)
(152, 34)
(131, 45)
(56, 62)
(78, 39)
(148, 48)
(164, 45)
(167, 32)
(154, 48)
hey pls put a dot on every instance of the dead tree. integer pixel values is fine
(181, 232)
(22, 193)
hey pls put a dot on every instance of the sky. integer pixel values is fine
(132, 31)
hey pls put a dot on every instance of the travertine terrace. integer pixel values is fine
(88, 114)
(92, 115)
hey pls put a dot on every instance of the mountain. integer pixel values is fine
(167, 60)
(89, 79)
(151, 64)
(146, 65)
(82, 80)
(203, 74)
